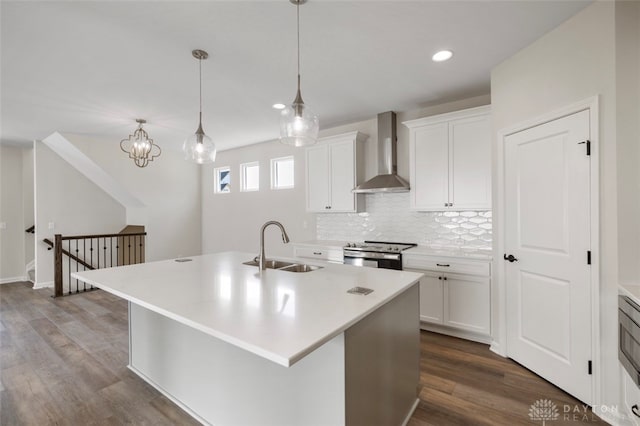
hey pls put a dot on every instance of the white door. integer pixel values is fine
(430, 168)
(317, 179)
(431, 297)
(343, 176)
(470, 163)
(547, 220)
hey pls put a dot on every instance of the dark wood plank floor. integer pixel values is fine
(63, 362)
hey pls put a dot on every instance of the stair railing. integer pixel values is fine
(88, 252)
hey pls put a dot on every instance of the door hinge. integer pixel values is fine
(588, 143)
(588, 257)
(590, 367)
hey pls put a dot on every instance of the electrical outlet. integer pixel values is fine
(52, 225)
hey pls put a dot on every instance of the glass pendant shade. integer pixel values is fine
(298, 125)
(199, 148)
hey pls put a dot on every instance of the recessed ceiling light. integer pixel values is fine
(279, 106)
(442, 56)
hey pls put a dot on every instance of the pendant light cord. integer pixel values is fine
(298, 31)
(200, 66)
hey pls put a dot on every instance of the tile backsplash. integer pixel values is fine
(388, 218)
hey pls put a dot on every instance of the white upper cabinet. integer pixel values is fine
(450, 159)
(334, 167)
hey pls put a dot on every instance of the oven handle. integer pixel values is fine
(370, 255)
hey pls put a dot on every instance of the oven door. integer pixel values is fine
(372, 259)
(629, 337)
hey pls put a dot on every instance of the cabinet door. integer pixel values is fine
(317, 179)
(429, 167)
(470, 163)
(342, 176)
(467, 303)
(431, 297)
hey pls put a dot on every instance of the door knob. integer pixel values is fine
(510, 258)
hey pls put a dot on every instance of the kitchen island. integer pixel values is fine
(236, 346)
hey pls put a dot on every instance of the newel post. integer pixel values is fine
(57, 265)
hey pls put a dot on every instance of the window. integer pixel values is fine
(282, 173)
(222, 176)
(250, 176)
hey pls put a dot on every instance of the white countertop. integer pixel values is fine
(278, 315)
(479, 254)
(630, 290)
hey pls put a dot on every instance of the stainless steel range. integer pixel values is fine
(375, 254)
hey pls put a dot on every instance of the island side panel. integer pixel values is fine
(225, 385)
(383, 363)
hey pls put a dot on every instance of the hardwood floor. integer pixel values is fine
(63, 362)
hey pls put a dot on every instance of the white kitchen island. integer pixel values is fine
(236, 346)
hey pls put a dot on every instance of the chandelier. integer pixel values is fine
(140, 148)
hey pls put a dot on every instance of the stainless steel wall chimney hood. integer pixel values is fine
(387, 179)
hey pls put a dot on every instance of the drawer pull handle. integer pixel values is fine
(317, 253)
(635, 410)
(446, 265)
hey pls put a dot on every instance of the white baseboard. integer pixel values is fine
(411, 411)
(13, 280)
(615, 419)
(497, 349)
(462, 334)
(45, 284)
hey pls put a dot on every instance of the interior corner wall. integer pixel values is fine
(169, 187)
(12, 261)
(572, 63)
(28, 212)
(628, 139)
(71, 203)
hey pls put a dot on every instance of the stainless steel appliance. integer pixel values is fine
(629, 337)
(375, 254)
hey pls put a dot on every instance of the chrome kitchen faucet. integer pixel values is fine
(285, 239)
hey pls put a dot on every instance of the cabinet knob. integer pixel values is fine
(511, 258)
(317, 253)
(635, 411)
(439, 278)
(446, 204)
(444, 278)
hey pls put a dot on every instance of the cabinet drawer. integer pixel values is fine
(446, 265)
(320, 253)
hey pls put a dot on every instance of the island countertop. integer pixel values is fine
(278, 315)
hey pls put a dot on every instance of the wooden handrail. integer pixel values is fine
(72, 256)
(82, 237)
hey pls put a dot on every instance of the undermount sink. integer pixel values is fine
(284, 266)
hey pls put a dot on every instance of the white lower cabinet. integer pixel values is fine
(455, 296)
(327, 253)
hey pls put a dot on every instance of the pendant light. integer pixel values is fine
(298, 124)
(140, 148)
(199, 148)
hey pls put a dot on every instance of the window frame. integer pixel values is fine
(217, 180)
(243, 178)
(274, 161)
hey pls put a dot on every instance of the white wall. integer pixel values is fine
(28, 212)
(169, 187)
(72, 203)
(232, 221)
(12, 261)
(572, 63)
(628, 139)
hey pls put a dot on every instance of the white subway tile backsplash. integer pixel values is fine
(388, 218)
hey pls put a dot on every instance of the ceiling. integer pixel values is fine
(93, 67)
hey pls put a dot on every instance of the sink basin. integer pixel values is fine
(298, 267)
(284, 266)
(270, 264)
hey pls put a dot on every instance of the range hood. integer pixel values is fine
(387, 179)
